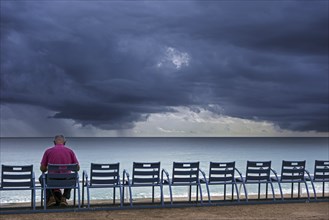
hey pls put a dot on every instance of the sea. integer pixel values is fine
(25, 151)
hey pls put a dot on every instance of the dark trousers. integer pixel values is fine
(55, 192)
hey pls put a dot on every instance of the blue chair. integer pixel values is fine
(18, 177)
(223, 173)
(259, 172)
(60, 176)
(144, 175)
(184, 174)
(102, 176)
(321, 175)
(292, 172)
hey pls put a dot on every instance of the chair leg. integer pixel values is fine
(308, 193)
(162, 197)
(197, 193)
(79, 204)
(314, 191)
(170, 192)
(113, 195)
(272, 191)
(74, 197)
(208, 193)
(88, 197)
(224, 192)
(201, 198)
(237, 192)
(83, 193)
(280, 188)
(41, 197)
(190, 193)
(232, 198)
(245, 191)
(44, 198)
(131, 199)
(121, 196)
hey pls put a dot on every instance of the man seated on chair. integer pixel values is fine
(58, 154)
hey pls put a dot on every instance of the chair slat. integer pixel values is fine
(321, 177)
(146, 165)
(61, 183)
(185, 173)
(114, 166)
(16, 184)
(184, 180)
(16, 176)
(293, 163)
(186, 165)
(7, 168)
(104, 174)
(258, 171)
(103, 182)
(222, 165)
(297, 177)
(258, 163)
(221, 179)
(62, 176)
(146, 173)
(221, 172)
(145, 180)
(258, 178)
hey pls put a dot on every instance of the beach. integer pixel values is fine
(301, 211)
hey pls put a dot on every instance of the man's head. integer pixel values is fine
(59, 139)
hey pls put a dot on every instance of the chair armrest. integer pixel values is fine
(124, 175)
(308, 174)
(203, 176)
(275, 174)
(240, 174)
(85, 178)
(167, 176)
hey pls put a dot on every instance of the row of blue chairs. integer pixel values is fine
(151, 175)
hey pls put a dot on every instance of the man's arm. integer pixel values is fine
(43, 168)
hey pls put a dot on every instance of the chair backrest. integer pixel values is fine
(62, 175)
(221, 172)
(258, 171)
(104, 174)
(293, 170)
(17, 176)
(146, 173)
(321, 170)
(185, 172)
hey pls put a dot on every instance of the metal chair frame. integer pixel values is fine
(18, 177)
(144, 174)
(293, 172)
(320, 175)
(223, 173)
(103, 175)
(60, 176)
(259, 172)
(185, 174)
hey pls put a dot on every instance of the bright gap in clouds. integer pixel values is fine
(200, 122)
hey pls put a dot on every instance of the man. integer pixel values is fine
(58, 154)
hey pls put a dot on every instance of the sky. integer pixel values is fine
(164, 68)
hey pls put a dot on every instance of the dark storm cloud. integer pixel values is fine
(97, 63)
